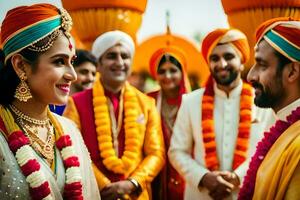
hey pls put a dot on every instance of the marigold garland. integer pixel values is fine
(262, 148)
(30, 166)
(104, 133)
(240, 153)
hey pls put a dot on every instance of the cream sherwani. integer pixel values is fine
(187, 137)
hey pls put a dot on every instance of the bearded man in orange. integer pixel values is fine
(217, 127)
(119, 124)
(274, 170)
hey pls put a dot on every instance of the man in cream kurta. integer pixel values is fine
(187, 151)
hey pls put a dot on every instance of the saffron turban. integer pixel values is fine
(223, 36)
(110, 39)
(283, 34)
(26, 25)
(179, 55)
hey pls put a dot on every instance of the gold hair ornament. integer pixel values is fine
(66, 26)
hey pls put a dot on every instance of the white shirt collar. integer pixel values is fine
(284, 112)
(235, 92)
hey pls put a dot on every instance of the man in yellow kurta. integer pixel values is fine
(119, 124)
(274, 171)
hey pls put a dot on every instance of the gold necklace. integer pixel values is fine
(44, 148)
(25, 117)
(30, 127)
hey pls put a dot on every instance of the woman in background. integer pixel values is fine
(168, 67)
(42, 154)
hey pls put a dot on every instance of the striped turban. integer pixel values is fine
(223, 36)
(110, 39)
(26, 25)
(283, 34)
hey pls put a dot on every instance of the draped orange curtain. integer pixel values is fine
(91, 18)
(247, 15)
(196, 65)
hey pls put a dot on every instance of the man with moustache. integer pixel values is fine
(217, 127)
(119, 124)
(274, 170)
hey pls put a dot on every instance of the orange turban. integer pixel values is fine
(176, 53)
(283, 35)
(25, 25)
(223, 36)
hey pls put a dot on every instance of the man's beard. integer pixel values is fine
(226, 81)
(268, 98)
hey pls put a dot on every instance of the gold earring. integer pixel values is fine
(22, 91)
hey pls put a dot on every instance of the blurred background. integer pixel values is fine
(188, 18)
(157, 23)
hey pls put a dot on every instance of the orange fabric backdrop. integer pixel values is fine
(248, 15)
(195, 62)
(91, 18)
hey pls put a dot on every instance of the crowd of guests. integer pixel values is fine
(231, 139)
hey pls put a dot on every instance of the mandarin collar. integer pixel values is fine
(286, 111)
(235, 92)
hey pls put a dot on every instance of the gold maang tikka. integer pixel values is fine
(66, 25)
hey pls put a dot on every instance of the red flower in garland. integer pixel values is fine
(73, 189)
(263, 147)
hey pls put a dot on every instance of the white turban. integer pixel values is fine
(110, 39)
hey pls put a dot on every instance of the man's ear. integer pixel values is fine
(19, 64)
(293, 71)
(242, 67)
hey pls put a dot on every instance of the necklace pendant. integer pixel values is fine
(47, 148)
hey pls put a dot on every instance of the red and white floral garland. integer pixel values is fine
(31, 168)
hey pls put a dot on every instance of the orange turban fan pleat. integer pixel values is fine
(223, 36)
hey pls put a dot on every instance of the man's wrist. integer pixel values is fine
(236, 179)
(138, 188)
(202, 181)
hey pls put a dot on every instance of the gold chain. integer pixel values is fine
(45, 148)
(25, 117)
(30, 127)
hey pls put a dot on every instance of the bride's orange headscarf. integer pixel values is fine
(180, 57)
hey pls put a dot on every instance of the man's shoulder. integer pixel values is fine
(85, 94)
(194, 95)
(294, 145)
(140, 95)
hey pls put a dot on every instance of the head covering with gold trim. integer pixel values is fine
(26, 25)
(110, 39)
(223, 36)
(179, 55)
(283, 34)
